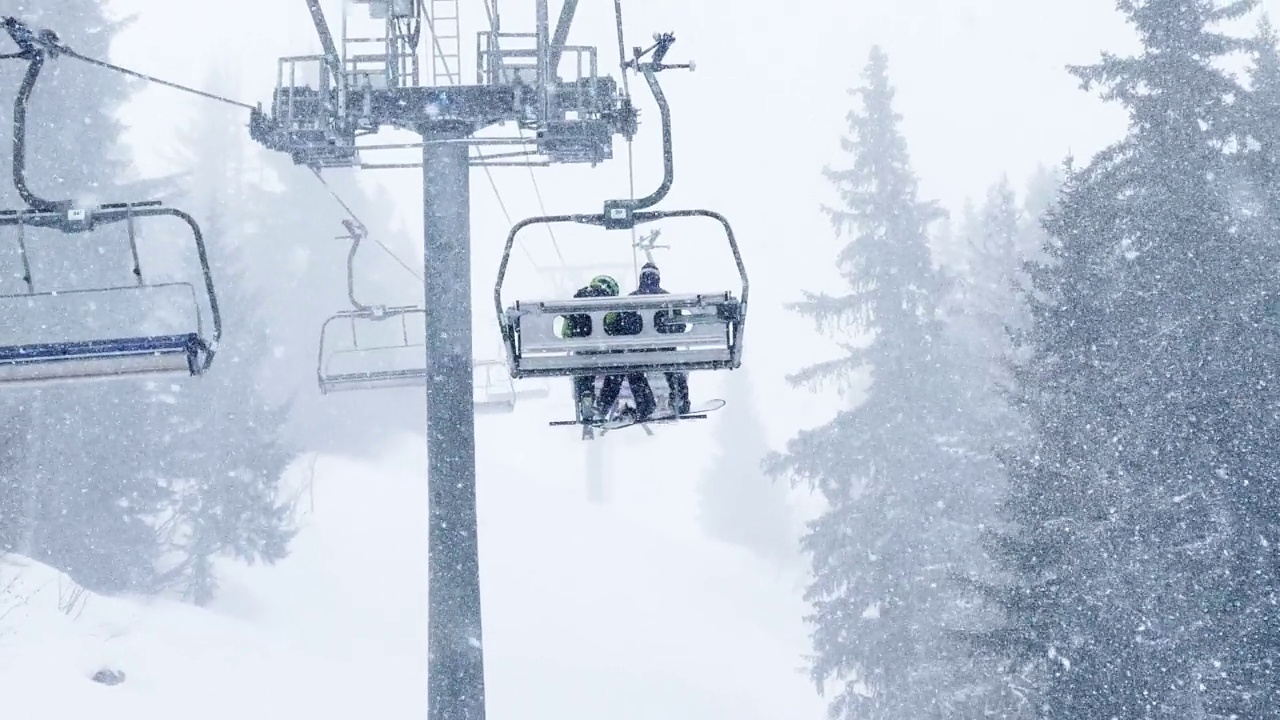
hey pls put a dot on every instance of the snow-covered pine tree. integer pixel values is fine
(985, 303)
(995, 257)
(902, 515)
(1261, 110)
(224, 454)
(1147, 386)
(1246, 684)
(1041, 195)
(947, 236)
(738, 503)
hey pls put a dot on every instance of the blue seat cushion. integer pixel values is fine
(188, 343)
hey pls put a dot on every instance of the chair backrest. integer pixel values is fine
(707, 340)
(110, 333)
(376, 367)
(73, 316)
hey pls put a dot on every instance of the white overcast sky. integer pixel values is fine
(981, 85)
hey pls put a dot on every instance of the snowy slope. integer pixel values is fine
(590, 610)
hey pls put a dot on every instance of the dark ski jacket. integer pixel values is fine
(630, 323)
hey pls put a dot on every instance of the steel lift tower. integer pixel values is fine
(323, 103)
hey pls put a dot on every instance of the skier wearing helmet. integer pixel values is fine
(579, 325)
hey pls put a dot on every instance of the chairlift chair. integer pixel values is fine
(706, 335)
(497, 391)
(117, 331)
(494, 391)
(349, 359)
(372, 347)
(710, 337)
(398, 361)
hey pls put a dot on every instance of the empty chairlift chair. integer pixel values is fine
(114, 330)
(373, 348)
(494, 390)
(64, 321)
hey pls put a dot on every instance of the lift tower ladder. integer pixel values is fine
(446, 44)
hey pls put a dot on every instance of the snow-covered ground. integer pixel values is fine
(618, 610)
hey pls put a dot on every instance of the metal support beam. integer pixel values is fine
(455, 686)
(332, 57)
(562, 34)
(546, 73)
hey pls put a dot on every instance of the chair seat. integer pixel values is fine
(41, 363)
(699, 334)
(373, 380)
(186, 343)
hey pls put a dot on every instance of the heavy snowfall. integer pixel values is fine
(997, 438)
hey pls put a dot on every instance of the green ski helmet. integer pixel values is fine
(605, 283)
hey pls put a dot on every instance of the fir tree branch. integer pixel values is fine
(851, 311)
(837, 374)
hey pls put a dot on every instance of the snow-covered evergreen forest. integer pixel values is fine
(1034, 482)
(1053, 498)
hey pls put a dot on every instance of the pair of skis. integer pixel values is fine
(697, 412)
